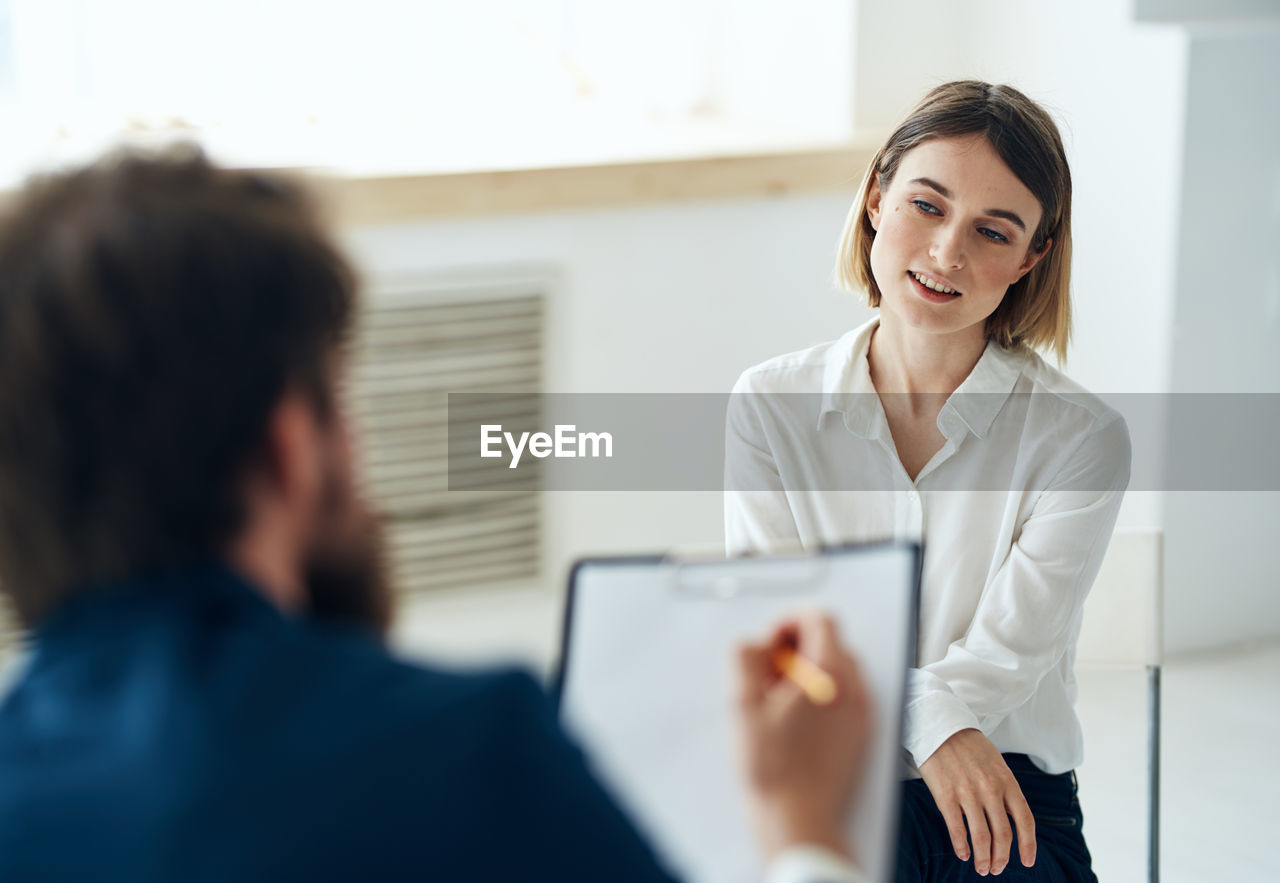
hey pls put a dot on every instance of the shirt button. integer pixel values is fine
(912, 496)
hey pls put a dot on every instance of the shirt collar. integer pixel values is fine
(846, 381)
(983, 393)
(847, 387)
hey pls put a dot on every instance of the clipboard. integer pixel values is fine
(646, 684)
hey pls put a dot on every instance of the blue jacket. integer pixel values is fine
(181, 728)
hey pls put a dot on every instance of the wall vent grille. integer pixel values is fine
(11, 636)
(418, 342)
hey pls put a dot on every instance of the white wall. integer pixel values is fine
(1227, 332)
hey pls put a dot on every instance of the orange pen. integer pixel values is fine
(813, 681)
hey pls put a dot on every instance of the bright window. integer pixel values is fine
(382, 86)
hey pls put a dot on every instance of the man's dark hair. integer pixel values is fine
(153, 309)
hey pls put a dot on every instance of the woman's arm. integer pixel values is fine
(1029, 609)
(1022, 627)
(757, 514)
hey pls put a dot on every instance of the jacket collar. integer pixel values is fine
(184, 586)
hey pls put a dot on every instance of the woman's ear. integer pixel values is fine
(1033, 258)
(873, 202)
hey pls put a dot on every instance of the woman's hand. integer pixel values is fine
(802, 760)
(970, 781)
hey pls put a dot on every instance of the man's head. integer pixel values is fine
(163, 323)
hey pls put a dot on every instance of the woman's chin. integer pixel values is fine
(919, 318)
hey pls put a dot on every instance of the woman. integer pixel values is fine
(937, 421)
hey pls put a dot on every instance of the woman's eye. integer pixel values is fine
(993, 235)
(925, 207)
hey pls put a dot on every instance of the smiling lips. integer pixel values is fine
(932, 284)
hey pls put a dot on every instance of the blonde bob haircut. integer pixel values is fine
(1036, 310)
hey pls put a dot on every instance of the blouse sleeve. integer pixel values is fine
(757, 513)
(1030, 610)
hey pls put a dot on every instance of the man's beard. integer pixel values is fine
(345, 571)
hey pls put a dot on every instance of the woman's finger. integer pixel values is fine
(954, 818)
(1025, 822)
(979, 836)
(1001, 836)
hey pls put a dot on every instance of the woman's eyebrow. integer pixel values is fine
(929, 182)
(1005, 214)
(1008, 216)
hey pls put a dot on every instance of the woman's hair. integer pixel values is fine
(1036, 311)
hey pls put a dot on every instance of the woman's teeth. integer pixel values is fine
(931, 285)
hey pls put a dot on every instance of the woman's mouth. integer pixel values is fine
(932, 290)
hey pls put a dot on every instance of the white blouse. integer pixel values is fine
(1015, 512)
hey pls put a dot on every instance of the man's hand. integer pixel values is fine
(970, 781)
(802, 760)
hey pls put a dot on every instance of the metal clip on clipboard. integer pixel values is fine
(704, 574)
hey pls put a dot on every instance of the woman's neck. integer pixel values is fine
(904, 360)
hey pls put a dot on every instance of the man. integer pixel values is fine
(181, 527)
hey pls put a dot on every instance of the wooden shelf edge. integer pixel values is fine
(375, 201)
(385, 200)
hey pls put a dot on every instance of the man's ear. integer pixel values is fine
(289, 469)
(873, 202)
(1033, 258)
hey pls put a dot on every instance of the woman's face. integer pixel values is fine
(954, 217)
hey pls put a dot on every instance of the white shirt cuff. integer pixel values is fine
(811, 864)
(933, 719)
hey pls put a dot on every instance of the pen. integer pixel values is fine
(815, 683)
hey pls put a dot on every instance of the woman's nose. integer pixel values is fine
(947, 248)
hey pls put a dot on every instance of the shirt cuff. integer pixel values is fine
(933, 719)
(804, 863)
